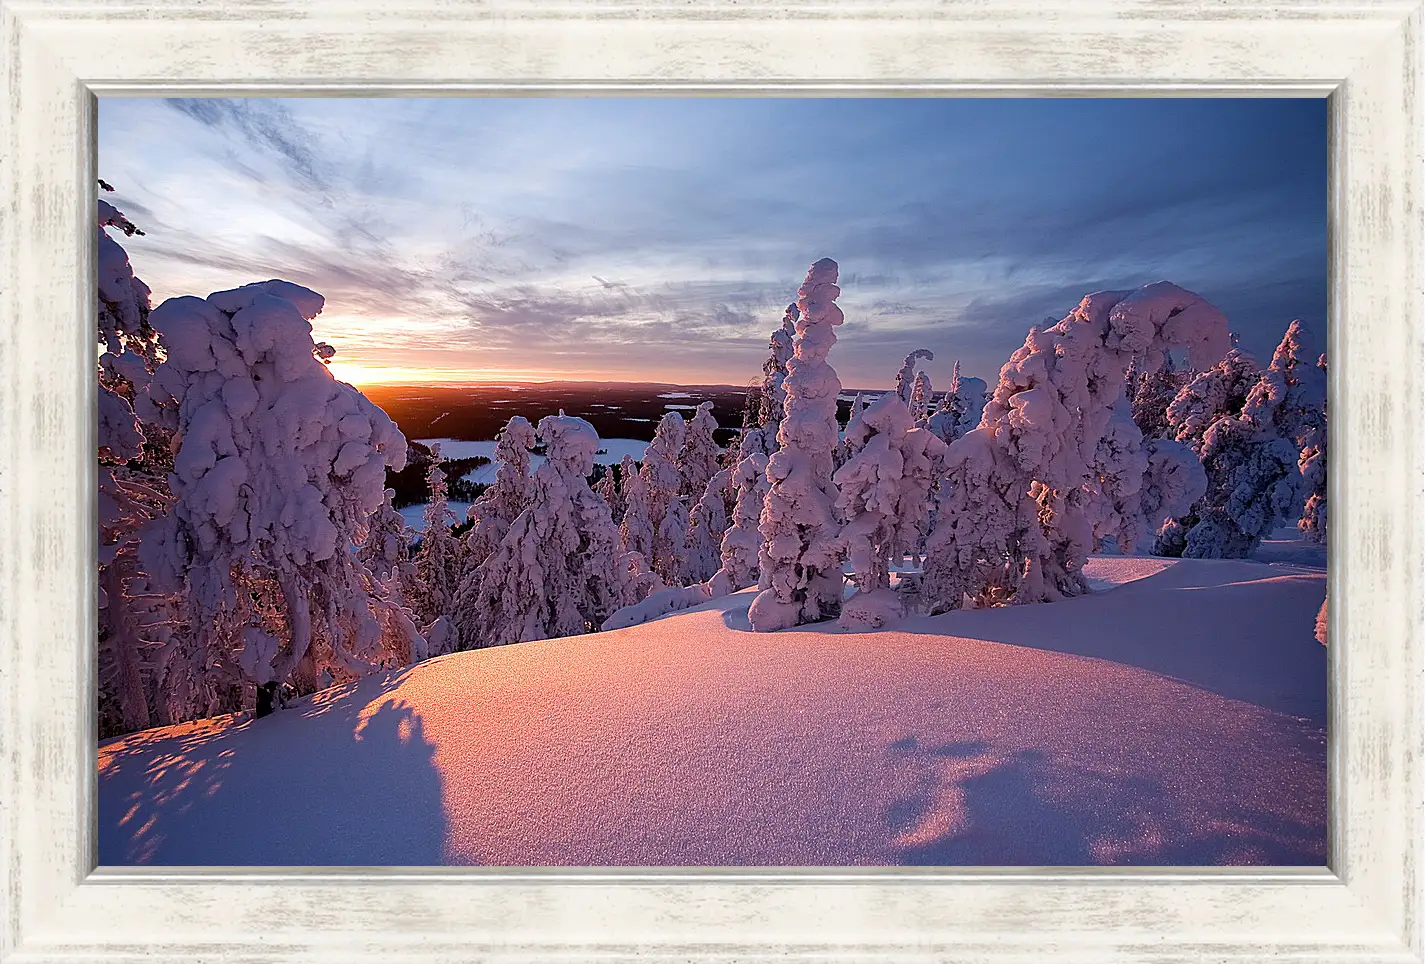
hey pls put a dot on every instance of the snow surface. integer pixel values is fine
(611, 452)
(1178, 718)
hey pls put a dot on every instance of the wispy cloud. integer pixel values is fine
(668, 236)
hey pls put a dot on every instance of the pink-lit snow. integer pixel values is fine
(1176, 715)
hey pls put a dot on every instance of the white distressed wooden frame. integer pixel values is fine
(58, 55)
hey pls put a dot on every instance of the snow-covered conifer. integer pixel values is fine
(800, 562)
(606, 488)
(278, 471)
(1312, 465)
(1014, 522)
(559, 570)
(668, 512)
(742, 541)
(960, 408)
(636, 527)
(1150, 394)
(774, 372)
(1321, 621)
(707, 523)
(921, 394)
(1253, 481)
(387, 547)
(1293, 387)
(507, 496)
(905, 378)
(441, 558)
(867, 502)
(697, 460)
(1214, 392)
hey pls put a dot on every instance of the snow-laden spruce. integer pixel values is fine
(1253, 481)
(606, 488)
(136, 622)
(921, 394)
(960, 407)
(742, 541)
(882, 502)
(773, 395)
(559, 570)
(697, 460)
(387, 547)
(1312, 465)
(441, 559)
(1014, 523)
(707, 524)
(1217, 391)
(499, 505)
(800, 577)
(668, 513)
(278, 471)
(1150, 394)
(1293, 386)
(636, 526)
(905, 378)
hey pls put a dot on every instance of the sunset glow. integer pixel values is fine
(660, 239)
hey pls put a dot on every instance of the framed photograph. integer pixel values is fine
(709, 483)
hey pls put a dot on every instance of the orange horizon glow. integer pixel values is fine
(354, 373)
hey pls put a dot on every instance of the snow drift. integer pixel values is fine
(1089, 731)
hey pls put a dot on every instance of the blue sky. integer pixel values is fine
(660, 239)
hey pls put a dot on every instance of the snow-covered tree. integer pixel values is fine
(1321, 621)
(278, 470)
(606, 488)
(905, 378)
(1217, 391)
(867, 503)
(559, 570)
(387, 547)
(507, 496)
(441, 559)
(742, 541)
(800, 563)
(1138, 484)
(135, 622)
(1173, 482)
(1312, 464)
(1014, 521)
(921, 394)
(960, 408)
(636, 527)
(846, 445)
(1293, 387)
(668, 512)
(1150, 394)
(1253, 482)
(774, 371)
(697, 460)
(707, 523)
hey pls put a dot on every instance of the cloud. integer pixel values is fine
(673, 233)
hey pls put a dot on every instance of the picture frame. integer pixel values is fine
(60, 55)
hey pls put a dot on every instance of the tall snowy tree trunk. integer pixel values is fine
(800, 559)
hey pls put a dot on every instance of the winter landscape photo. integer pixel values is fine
(643, 481)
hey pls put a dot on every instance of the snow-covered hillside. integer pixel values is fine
(1174, 716)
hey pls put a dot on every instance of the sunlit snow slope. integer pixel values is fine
(1177, 716)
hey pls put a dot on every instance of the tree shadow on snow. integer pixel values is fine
(346, 779)
(1020, 809)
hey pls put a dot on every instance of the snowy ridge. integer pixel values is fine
(1091, 731)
